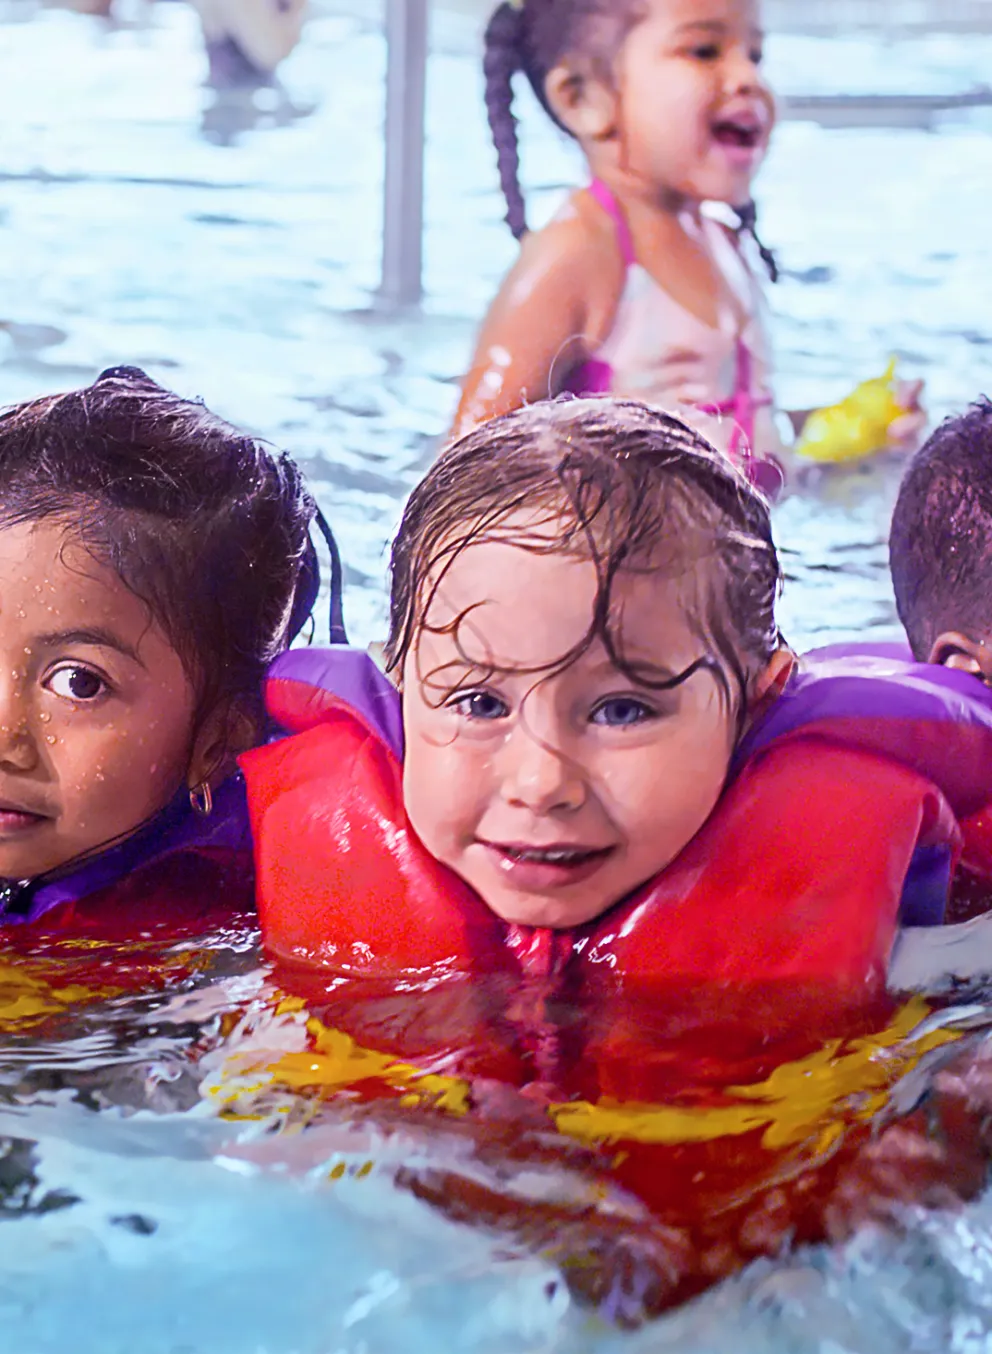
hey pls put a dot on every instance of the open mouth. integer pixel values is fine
(538, 867)
(551, 855)
(740, 134)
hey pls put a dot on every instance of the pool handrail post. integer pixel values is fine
(403, 196)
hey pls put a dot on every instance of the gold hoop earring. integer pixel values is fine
(201, 799)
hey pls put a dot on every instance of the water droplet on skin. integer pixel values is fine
(44, 717)
(50, 739)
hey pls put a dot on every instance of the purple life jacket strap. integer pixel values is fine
(347, 677)
(935, 720)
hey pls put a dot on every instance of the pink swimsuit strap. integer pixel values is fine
(611, 206)
(742, 407)
(743, 404)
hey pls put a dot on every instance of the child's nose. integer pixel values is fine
(18, 748)
(743, 74)
(540, 777)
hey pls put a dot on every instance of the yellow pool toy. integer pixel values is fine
(857, 426)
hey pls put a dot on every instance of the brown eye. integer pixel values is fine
(76, 683)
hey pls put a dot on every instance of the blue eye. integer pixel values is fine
(479, 705)
(757, 56)
(620, 712)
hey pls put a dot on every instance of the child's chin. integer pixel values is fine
(557, 914)
(20, 864)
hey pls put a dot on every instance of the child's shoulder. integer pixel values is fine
(582, 233)
(576, 259)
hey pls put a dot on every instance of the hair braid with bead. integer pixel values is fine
(531, 37)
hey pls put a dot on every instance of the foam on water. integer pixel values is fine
(177, 1244)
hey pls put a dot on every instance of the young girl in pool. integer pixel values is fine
(582, 631)
(634, 287)
(153, 560)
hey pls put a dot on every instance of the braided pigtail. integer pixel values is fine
(748, 218)
(502, 60)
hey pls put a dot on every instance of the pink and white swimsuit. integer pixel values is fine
(716, 378)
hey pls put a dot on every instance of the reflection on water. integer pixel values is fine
(194, 1160)
(202, 1153)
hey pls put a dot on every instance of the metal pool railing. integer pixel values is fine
(403, 198)
(891, 16)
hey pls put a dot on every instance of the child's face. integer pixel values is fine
(554, 796)
(96, 710)
(695, 114)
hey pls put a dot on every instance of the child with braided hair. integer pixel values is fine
(635, 288)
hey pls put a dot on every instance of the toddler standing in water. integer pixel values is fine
(153, 560)
(634, 288)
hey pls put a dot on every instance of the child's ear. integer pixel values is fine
(582, 102)
(226, 732)
(771, 681)
(954, 649)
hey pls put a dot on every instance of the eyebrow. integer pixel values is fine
(96, 635)
(711, 26)
(667, 678)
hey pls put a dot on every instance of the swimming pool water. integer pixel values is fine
(236, 257)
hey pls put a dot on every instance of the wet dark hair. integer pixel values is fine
(207, 526)
(533, 37)
(617, 482)
(940, 542)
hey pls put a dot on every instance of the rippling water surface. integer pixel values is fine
(158, 1197)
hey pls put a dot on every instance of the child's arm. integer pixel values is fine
(554, 306)
(906, 430)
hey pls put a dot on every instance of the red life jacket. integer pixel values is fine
(792, 887)
(797, 875)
